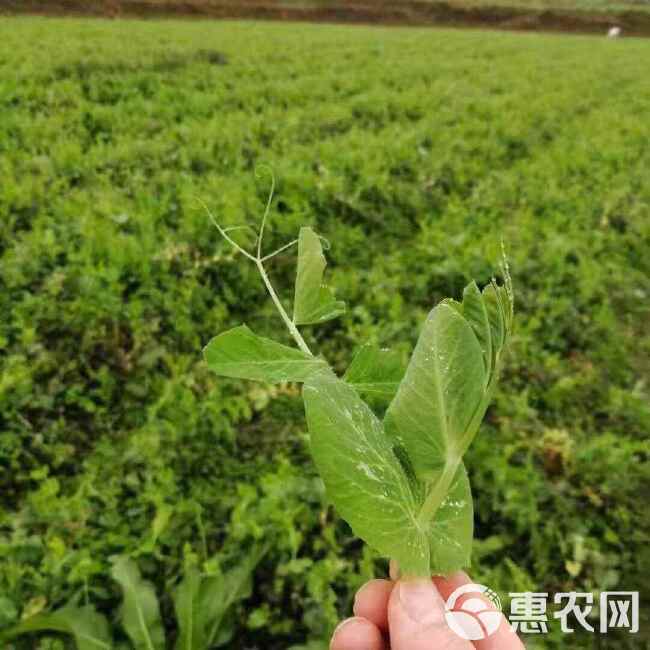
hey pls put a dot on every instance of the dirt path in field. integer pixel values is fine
(401, 12)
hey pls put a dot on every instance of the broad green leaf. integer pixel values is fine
(241, 354)
(201, 602)
(88, 628)
(313, 301)
(433, 412)
(402, 485)
(139, 613)
(219, 594)
(362, 475)
(191, 629)
(371, 490)
(438, 409)
(451, 529)
(375, 371)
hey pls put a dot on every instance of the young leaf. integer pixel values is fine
(139, 612)
(313, 301)
(490, 314)
(499, 308)
(442, 389)
(241, 354)
(473, 308)
(375, 371)
(88, 628)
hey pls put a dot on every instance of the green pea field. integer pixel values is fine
(414, 152)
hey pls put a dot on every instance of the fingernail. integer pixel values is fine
(421, 601)
(342, 624)
(368, 584)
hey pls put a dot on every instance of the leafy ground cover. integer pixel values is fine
(415, 152)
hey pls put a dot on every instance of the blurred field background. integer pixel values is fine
(413, 151)
(632, 17)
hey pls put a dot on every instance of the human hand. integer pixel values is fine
(410, 615)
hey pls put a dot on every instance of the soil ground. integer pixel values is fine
(633, 22)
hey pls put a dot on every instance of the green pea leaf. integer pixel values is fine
(375, 371)
(442, 389)
(313, 301)
(88, 628)
(402, 485)
(363, 477)
(139, 613)
(372, 491)
(241, 354)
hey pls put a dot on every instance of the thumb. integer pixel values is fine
(416, 618)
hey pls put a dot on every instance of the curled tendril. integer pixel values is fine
(325, 242)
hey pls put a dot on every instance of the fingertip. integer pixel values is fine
(417, 618)
(420, 600)
(371, 602)
(357, 633)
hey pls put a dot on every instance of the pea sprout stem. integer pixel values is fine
(259, 260)
(280, 250)
(297, 336)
